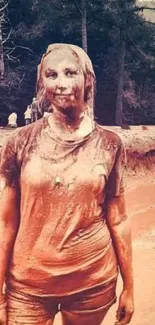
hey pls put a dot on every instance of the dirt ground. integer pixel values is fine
(140, 200)
(141, 210)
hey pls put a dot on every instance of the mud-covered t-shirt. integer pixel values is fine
(63, 244)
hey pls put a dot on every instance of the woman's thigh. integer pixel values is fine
(88, 307)
(29, 310)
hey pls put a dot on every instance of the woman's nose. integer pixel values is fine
(62, 88)
(61, 83)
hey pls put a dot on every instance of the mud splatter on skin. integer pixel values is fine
(82, 61)
(63, 81)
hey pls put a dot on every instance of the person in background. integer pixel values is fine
(34, 110)
(12, 120)
(28, 115)
(64, 230)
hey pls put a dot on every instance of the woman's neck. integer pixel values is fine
(70, 127)
(69, 122)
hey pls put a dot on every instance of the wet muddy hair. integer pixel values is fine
(88, 71)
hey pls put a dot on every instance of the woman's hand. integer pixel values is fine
(125, 308)
(3, 316)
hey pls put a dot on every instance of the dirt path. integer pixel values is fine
(141, 210)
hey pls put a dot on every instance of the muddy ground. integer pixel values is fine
(140, 199)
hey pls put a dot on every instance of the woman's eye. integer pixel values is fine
(71, 73)
(52, 75)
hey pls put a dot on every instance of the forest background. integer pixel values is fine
(119, 36)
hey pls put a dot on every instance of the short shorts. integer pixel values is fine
(79, 308)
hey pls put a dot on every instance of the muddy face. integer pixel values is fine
(64, 81)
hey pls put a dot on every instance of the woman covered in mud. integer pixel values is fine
(64, 233)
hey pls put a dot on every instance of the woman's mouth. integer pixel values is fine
(65, 96)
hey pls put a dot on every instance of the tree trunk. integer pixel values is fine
(119, 100)
(1, 53)
(84, 25)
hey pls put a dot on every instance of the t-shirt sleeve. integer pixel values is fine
(115, 185)
(9, 169)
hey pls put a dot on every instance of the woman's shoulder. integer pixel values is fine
(108, 135)
(30, 129)
(22, 135)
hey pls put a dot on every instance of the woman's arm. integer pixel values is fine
(9, 212)
(119, 227)
(9, 221)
